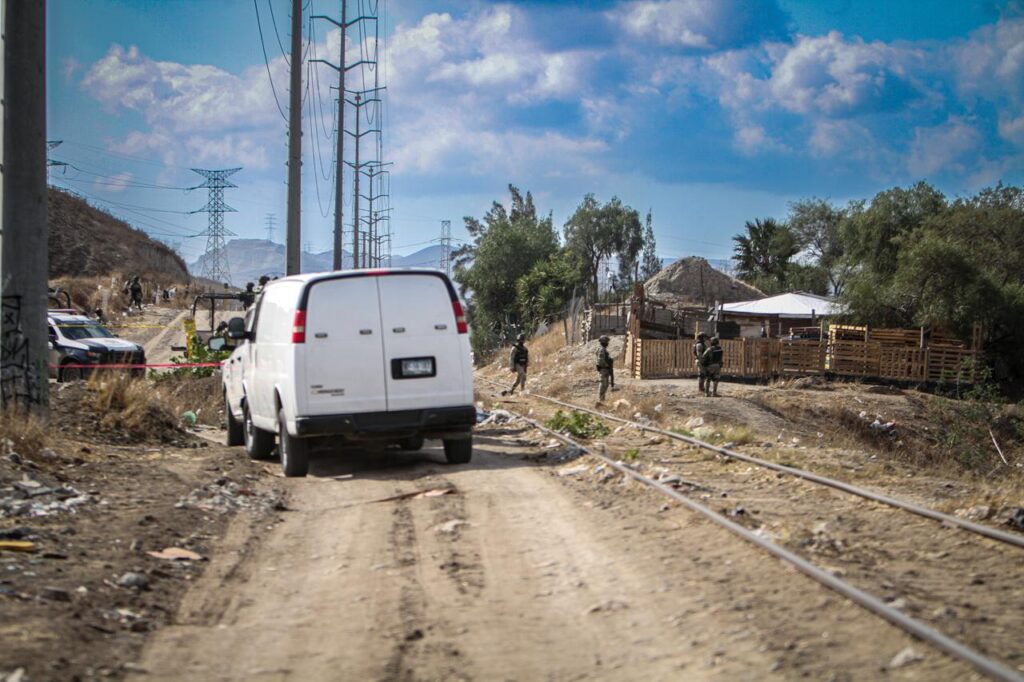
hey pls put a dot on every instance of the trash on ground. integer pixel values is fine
(17, 546)
(433, 492)
(176, 554)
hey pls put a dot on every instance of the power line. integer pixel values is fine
(266, 60)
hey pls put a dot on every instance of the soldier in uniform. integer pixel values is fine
(247, 297)
(698, 355)
(712, 366)
(263, 282)
(133, 288)
(518, 361)
(605, 368)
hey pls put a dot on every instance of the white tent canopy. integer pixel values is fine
(795, 304)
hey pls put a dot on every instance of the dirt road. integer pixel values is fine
(511, 574)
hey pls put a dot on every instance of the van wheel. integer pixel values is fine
(258, 443)
(294, 451)
(235, 428)
(458, 451)
(414, 443)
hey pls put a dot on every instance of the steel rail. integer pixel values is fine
(991, 533)
(980, 662)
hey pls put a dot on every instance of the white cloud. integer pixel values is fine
(1012, 129)
(184, 97)
(700, 25)
(119, 182)
(833, 138)
(946, 148)
(834, 76)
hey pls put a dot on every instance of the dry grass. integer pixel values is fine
(130, 404)
(544, 348)
(737, 435)
(25, 434)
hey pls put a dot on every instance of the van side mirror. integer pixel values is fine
(236, 329)
(217, 343)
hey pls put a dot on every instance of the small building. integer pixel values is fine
(779, 315)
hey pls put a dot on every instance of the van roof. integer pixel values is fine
(331, 274)
(313, 277)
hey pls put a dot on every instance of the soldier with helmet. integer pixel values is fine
(698, 354)
(605, 367)
(713, 366)
(518, 361)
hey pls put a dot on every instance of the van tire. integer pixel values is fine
(458, 451)
(414, 443)
(235, 428)
(258, 443)
(294, 451)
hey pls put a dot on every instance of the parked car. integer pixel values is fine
(350, 357)
(77, 340)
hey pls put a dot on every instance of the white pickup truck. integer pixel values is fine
(351, 356)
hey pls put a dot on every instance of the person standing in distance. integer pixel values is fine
(605, 367)
(698, 355)
(518, 361)
(713, 366)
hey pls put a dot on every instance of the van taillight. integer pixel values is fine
(299, 327)
(460, 317)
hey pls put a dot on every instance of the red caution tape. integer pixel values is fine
(158, 365)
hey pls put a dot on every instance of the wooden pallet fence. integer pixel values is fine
(770, 358)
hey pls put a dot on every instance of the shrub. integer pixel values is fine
(578, 424)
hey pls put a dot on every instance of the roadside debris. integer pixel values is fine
(904, 658)
(177, 554)
(1016, 519)
(224, 496)
(17, 546)
(133, 580)
(433, 492)
(495, 417)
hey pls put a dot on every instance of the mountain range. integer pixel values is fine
(248, 259)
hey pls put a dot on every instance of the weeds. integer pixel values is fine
(21, 433)
(130, 404)
(631, 455)
(578, 424)
(737, 435)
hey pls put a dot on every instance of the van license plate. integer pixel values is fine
(415, 367)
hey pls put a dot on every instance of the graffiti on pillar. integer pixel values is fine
(18, 381)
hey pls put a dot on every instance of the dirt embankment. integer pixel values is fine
(84, 499)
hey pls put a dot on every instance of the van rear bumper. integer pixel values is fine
(440, 420)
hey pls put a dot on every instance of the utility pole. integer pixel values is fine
(215, 261)
(25, 263)
(339, 187)
(270, 226)
(446, 247)
(293, 257)
(355, 197)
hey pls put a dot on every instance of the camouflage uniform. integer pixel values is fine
(518, 361)
(605, 367)
(713, 366)
(698, 354)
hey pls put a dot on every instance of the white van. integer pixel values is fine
(351, 356)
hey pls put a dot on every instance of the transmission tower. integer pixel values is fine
(215, 262)
(446, 247)
(270, 226)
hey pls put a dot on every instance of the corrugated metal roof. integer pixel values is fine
(792, 304)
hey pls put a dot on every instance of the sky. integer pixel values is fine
(708, 113)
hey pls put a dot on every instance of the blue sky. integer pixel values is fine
(707, 112)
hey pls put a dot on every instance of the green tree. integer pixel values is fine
(545, 291)
(506, 245)
(595, 232)
(650, 264)
(817, 226)
(765, 251)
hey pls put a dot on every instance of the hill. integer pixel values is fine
(692, 281)
(85, 241)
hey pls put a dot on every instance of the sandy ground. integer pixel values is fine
(517, 573)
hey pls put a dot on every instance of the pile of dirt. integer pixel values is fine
(116, 412)
(85, 241)
(693, 282)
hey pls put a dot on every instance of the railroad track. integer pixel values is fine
(1014, 539)
(958, 649)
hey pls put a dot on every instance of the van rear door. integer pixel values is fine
(424, 363)
(344, 367)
